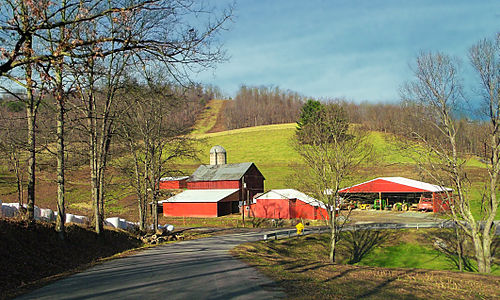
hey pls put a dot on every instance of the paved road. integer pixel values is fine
(198, 269)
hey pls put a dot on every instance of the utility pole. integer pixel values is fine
(244, 202)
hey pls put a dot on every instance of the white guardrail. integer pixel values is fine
(287, 233)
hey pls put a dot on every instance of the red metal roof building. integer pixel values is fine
(287, 204)
(399, 189)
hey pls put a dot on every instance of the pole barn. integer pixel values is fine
(287, 204)
(399, 189)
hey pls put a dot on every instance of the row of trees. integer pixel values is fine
(254, 106)
(57, 51)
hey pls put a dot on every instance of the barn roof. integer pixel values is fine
(290, 194)
(174, 178)
(221, 172)
(394, 185)
(195, 196)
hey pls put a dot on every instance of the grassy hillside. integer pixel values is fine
(269, 147)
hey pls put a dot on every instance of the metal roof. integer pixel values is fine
(220, 172)
(217, 149)
(195, 196)
(173, 178)
(405, 185)
(291, 194)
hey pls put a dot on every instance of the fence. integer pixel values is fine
(287, 233)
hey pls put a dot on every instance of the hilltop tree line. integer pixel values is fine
(255, 106)
(72, 62)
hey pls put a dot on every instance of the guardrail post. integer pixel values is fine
(275, 235)
(265, 237)
(289, 233)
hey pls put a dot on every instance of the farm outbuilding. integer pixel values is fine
(286, 204)
(214, 190)
(173, 183)
(201, 203)
(398, 189)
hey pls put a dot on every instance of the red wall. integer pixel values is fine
(440, 202)
(173, 184)
(190, 209)
(211, 185)
(322, 214)
(301, 209)
(270, 209)
(285, 209)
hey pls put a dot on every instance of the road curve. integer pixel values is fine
(197, 269)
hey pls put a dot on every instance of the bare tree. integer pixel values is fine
(12, 137)
(332, 151)
(44, 35)
(438, 89)
(485, 58)
(155, 137)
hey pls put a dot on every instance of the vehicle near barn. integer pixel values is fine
(425, 204)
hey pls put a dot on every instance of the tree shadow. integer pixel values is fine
(455, 245)
(361, 242)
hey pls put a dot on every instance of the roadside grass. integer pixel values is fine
(230, 221)
(300, 265)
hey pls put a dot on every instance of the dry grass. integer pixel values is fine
(302, 269)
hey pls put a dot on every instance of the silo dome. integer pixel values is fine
(218, 155)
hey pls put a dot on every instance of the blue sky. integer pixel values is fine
(360, 50)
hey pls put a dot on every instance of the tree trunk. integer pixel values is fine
(333, 237)
(91, 123)
(479, 252)
(61, 214)
(30, 113)
(155, 210)
(459, 248)
(31, 109)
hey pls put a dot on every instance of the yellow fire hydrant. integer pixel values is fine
(300, 228)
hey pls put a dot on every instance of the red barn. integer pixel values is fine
(216, 189)
(201, 203)
(399, 189)
(243, 176)
(173, 183)
(287, 204)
